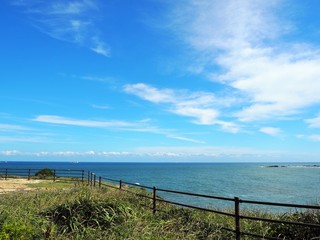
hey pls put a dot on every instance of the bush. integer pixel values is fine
(82, 214)
(44, 173)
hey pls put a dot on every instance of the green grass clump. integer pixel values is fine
(294, 231)
(84, 213)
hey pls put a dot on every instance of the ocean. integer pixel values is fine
(289, 183)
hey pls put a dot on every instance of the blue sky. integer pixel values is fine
(151, 80)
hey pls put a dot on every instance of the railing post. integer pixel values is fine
(82, 176)
(6, 175)
(54, 175)
(99, 181)
(237, 217)
(88, 178)
(154, 199)
(120, 184)
(94, 180)
(91, 179)
(29, 174)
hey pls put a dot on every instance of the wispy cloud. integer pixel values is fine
(72, 21)
(275, 79)
(108, 80)
(313, 122)
(83, 123)
(272, 131)
(137, 126)
(184, 138)
(7, 139)
(311, 137)
(13, 127)
(100, 47)
(103, 107)
(202, 107)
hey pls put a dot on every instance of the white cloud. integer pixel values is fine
(202, 116)
(138, 126)
(184, 139)
(210, 151)
(151, 94)
(100, 47)
(83, 123)
(62, 153)
(276, 84)
(201, 106)
(72, 21)
(109, 80)
(311, 137)
(314, 122)
(103, 107)
(270, 131)
(9, 152)
(244, 39)
(229, 126)
(12, 127)
(214, 24)
(75, 7)
(6, 139)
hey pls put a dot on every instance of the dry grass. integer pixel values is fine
(18, 184)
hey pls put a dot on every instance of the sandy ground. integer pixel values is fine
(16, 185)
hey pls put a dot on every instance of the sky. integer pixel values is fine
(160, 80)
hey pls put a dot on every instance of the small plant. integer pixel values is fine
(45, 173)
(17, 230)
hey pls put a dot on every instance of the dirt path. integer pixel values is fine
(16, 185)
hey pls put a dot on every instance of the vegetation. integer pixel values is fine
(44, 173)
(81, 212)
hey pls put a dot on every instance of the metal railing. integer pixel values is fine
(152, 194)
(29, 173)
(235, 214)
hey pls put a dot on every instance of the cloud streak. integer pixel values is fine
(311, 137)
(313, 122)
(138, 126)
(13, 127)
(71, 21)
(6, 139)
(82, 123)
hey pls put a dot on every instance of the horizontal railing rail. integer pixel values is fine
(68, 174)
(195, 194)
(236, 201)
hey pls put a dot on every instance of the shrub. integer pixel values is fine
(82, 214)
(44, 173)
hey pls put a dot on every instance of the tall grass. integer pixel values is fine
(80, 212)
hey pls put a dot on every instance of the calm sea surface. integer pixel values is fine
(295, 183)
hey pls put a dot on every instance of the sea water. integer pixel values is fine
(288, 183)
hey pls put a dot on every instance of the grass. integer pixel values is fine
(61, 183)
(68, 211)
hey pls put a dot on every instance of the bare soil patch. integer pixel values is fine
(17, 184)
